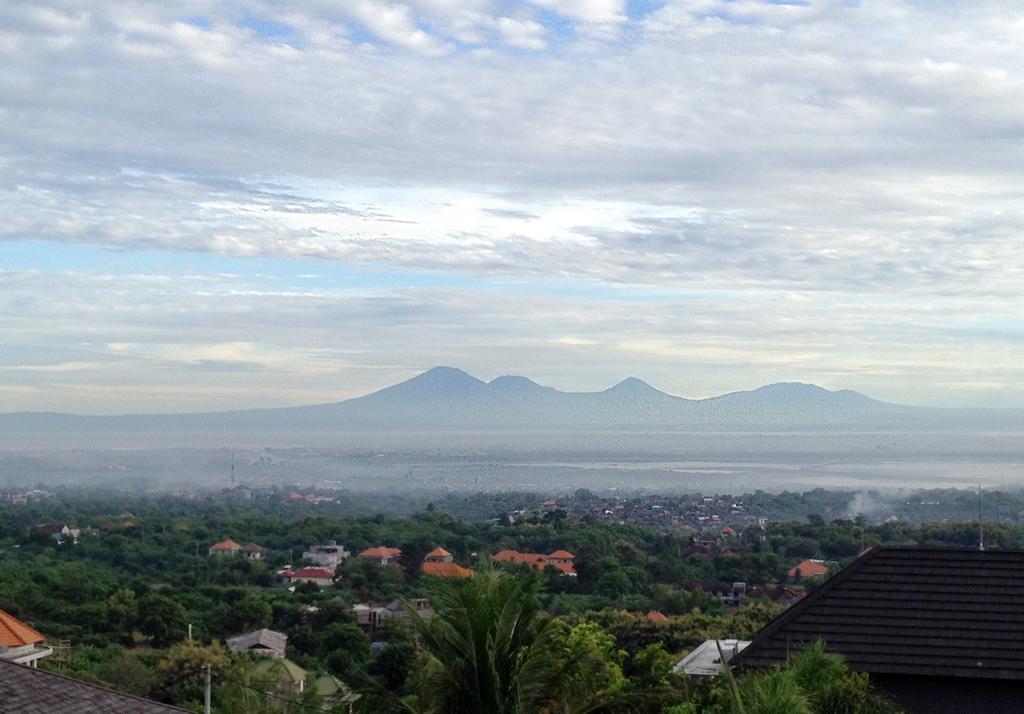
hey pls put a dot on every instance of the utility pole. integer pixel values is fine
(981, 525)
(206, 692)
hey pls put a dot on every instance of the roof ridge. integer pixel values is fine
(795, 610)
(84, 683)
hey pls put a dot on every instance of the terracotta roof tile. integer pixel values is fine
(381, 551)
(808, 569)
(225, 545)
(446, 570)
(15, 633)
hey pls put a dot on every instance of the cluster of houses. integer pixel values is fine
(940, 630)
(66, 532)
(231, 548)
(561, 560)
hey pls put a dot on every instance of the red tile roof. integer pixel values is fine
(381, 551)
(446, 570)
(537, 560)
(15, 633)
(225, 545)
(657, 616)
(565, 568)
(321, 573)
(808, 569)
(438, 552)
(253, 548)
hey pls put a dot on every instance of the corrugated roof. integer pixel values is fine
(15, 633)
(925, 611)
(24, 690)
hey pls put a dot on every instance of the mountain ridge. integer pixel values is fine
(449, 399)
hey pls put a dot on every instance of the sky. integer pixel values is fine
(216, 204)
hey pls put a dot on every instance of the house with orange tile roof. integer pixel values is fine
(808, 569)
(318, 576)
(561, 560)
(445, 569)
(382, 554)
(225, 547)
(20, 643)
(441, 564)
(230, 547)
(439, 555)
(61, 532)
(254, 552)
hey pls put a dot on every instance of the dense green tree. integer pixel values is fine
(162, 619)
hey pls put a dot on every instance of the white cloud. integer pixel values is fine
(527, 34)
(864, 157)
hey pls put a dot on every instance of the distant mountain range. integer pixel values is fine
(448, 399)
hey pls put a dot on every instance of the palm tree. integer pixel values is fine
(487, 650)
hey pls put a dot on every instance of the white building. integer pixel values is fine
(327, 556)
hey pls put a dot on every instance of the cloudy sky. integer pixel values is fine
(212, 204)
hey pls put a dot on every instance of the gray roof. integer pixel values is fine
(705, 661)
(35, 691)
(942, 612)
(268, 639)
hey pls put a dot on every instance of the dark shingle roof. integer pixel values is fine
(35, 691)
(269, 639)
(927, 611)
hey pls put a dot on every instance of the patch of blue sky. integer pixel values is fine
(202, 23)
(309, 274)
(359, 34)
(270, 29)
(639, 9)
(560, 29)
